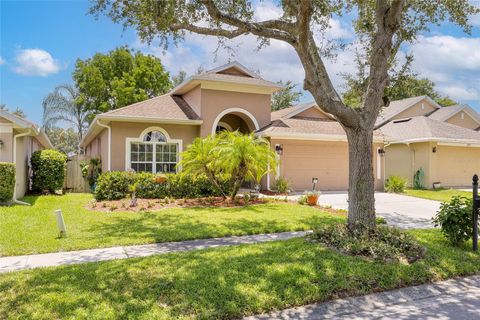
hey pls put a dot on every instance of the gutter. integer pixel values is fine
(15, 200)
(109, 142)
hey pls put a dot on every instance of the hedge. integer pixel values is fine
(48, 168)
(7, 181)
(115, 185)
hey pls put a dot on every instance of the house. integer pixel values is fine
(19, 138)
(149, 135)
(441, 141)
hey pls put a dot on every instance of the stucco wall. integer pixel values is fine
(466, 122)
(6, 136)
(194, 99)
(216, 101)
(420, 109)
(123, 130)
(328, 161)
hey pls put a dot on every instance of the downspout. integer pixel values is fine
(109, 142)
(15, 200)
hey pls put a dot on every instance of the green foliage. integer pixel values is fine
(396, 184)
(91, 170)
(64, 140)
(302, 200)
(179, 78)
(286, 97)
(115, 185)
(48, 168)
(17, 112)
(418, 179)
(119, 78)
(229, 156)
(281, 185)
(455, 219)
(385, 243)
(7, 181)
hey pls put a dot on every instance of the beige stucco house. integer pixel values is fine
(442, 141)
(19, 138)
(150, 135)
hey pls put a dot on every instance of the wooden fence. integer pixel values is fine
(74, 182)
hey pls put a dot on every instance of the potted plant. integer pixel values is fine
(312, 197)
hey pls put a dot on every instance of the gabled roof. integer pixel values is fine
(299, 108)
(446, 113)
(398, 106)
(420, 129)
(247, 77)
(22, 123)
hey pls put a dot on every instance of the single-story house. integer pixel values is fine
(442, 141)
(19, 138)
(150, 135)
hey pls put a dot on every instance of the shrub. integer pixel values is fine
(302, 200)
(455, 219)
(7, 181)
(48, 168)
(281, 185)
(114, 185)
(386, 243)
(396, 184)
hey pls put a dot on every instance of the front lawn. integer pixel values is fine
(26, 230)
(444, 195)
(219, 283)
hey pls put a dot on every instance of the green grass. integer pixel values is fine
(26, 230)
(443, 195)
(219, 283)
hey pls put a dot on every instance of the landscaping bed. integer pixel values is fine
(159, 204)
(222, 283)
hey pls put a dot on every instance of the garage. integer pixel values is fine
(456, 165)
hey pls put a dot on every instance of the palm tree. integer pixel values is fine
(62, 105)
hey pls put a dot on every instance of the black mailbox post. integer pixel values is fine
(476, 206)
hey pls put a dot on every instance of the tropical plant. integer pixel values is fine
(455, 219)
(395, 184)
(281, 185)
(91, 170)
(381, 28)
(63, 105)
(63, 140)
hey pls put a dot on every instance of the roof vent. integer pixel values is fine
(402, 120)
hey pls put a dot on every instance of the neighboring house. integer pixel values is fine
(19, 138)
(149, 135)
(420, 134)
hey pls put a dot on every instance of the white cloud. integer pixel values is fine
(452, 63)
(2, 61)
(35, 62)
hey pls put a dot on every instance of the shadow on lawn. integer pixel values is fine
(220, 283)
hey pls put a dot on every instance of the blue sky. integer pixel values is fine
(41, 40)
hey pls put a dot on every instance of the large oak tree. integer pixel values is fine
(381, 26)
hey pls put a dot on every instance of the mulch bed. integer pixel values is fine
(158, 204)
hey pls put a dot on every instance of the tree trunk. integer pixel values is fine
(361, 191)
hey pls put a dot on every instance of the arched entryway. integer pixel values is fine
(235, 119)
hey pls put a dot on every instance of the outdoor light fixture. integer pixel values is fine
(314, 182)
(434, 149)
(279, 149)
(1, 144)
(381, 152)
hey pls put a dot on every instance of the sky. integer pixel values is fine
(41, 40)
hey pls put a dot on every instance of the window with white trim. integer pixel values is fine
(154, 154)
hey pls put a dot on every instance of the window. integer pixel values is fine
(154, 154)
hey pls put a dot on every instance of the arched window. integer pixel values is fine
(154, 153)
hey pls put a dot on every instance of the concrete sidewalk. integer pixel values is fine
(452, 299)
(16, 263)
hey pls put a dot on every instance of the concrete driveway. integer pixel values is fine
(399, 210)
